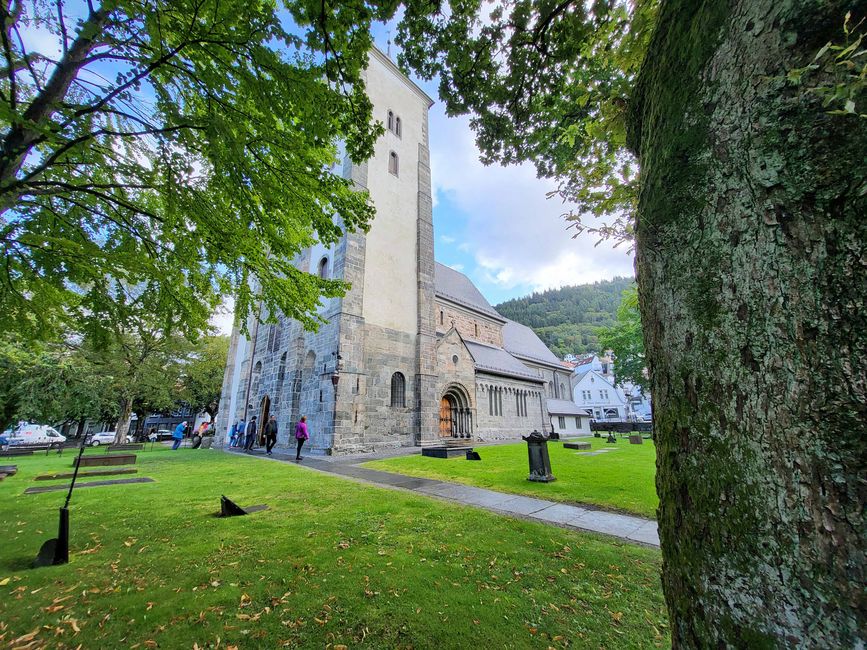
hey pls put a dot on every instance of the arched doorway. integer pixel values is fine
(456, 416)
(264, 414)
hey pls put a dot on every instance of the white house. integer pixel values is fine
(592, 392)
(567, 419)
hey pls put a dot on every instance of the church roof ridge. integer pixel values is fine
(457, 287)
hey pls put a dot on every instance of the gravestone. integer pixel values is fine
(577, 445)
(635, 440)
(473, 455)
(444, 452)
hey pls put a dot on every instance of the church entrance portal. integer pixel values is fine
(456, 417)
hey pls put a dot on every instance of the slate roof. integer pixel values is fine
(565, 407)
(498, 361)
(457, 287)
(521, 340)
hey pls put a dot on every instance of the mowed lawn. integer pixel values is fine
(621, 479)
(332, 563)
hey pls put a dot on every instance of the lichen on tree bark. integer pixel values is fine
(751, 254)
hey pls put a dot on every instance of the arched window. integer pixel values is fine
(393, 163)
(398, 390)
(476, 325)
(390, 123)
(397, 126)
(323, 268)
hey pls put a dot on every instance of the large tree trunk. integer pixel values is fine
(752, 246)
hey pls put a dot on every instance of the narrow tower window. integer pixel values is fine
(323, 268)
(393, 163)
(397, 126)
(398, 390)
(390, 121)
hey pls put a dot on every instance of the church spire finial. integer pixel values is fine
(388, 44)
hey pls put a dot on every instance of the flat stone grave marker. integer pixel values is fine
(57, 488)
(635, 440)
(96, 472)
(445, 452)
(577, 445)
(108, 459)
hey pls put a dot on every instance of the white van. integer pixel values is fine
(32, 434)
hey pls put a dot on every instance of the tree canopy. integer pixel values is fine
(626, 340)
(185, 145)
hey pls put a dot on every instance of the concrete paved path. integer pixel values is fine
(626, 527)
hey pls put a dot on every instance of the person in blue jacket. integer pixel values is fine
(178, 435)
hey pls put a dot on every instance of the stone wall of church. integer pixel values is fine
(366, 419)
(495, 424)
(471, 325)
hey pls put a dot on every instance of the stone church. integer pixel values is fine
(413, 354)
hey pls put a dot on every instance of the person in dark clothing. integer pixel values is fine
(251, 434)
(301, 435)
(270, 435)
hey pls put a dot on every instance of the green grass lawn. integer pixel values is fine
(331, 563)
(618, 480)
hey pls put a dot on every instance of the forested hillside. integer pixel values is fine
(568, 319)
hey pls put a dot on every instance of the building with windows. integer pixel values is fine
(413, 354)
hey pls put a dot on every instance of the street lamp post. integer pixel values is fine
(335, 380)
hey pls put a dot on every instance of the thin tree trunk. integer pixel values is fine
(752, 246)
(123, 421)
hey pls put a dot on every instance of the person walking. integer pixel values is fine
(178, 435)
(240, 428)
(251, 434)
(270, 435)
(301, 435)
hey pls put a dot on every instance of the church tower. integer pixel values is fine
(379, 340)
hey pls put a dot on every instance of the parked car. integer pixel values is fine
(31, 434)
(163, 434)
(103, 438)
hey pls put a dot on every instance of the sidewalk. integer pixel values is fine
(626, 527)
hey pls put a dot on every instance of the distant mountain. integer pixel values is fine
(568, 319)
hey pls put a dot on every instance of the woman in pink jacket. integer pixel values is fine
(301, 435)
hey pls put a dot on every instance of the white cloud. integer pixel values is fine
(223, 318)
(514, 233)
(447, 240)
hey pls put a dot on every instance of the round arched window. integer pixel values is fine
(323, 268)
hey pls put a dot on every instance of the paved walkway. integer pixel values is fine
(625, 527)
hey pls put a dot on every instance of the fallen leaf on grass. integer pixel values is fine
(150, 643)
(4, 582)
(616, 616)
(26, 637)
(245, 600)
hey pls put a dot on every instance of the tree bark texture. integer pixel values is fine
(123, 421)
(751, 254)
